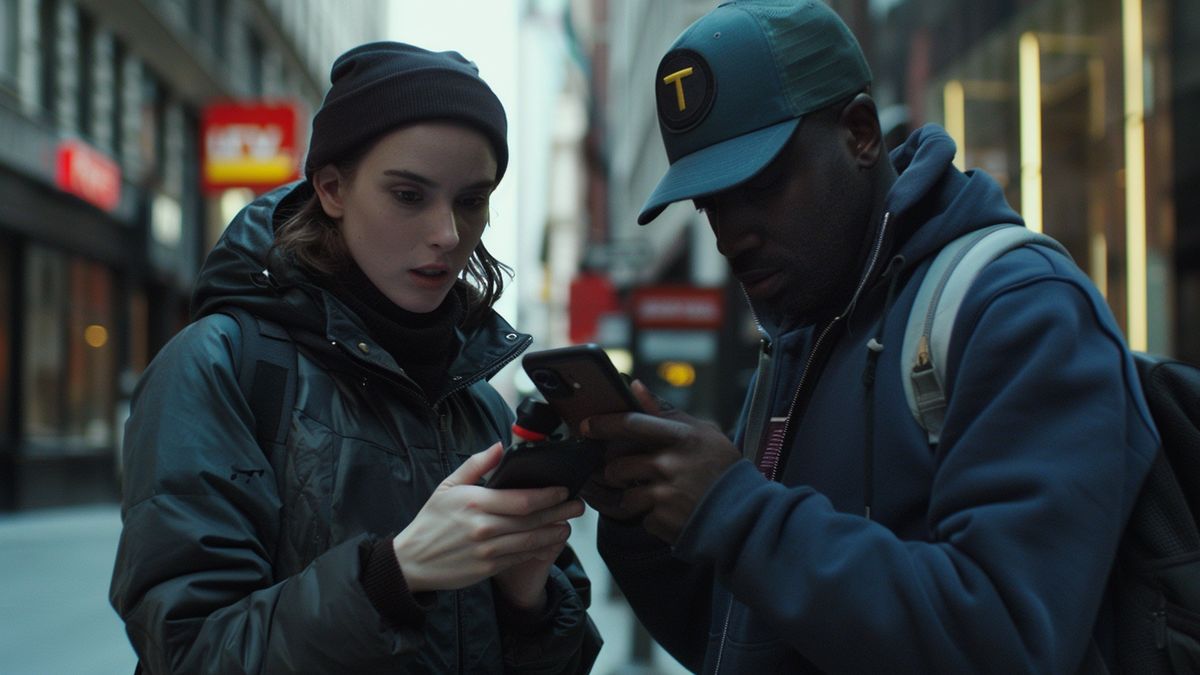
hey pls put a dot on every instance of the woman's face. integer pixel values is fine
(414, 209)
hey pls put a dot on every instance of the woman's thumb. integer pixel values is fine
(475, 467)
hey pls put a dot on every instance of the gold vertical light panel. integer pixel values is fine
(1030, 76)
(954, 101)
(1137, 321)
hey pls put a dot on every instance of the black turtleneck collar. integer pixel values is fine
(423, 344)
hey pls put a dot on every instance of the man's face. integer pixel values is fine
(794, 233)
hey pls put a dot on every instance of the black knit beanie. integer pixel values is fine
(380, 86)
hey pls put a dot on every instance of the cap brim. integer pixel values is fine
(717, 167)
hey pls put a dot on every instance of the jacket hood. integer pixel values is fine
(933, 203)
(235, 271)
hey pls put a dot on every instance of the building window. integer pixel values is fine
(255, 54)
(85, 93)
(9, 37)
(118, 100)
(6, 323)
(153, 116)
(48, 51)
(70, 355)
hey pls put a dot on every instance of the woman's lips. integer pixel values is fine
(432, 277)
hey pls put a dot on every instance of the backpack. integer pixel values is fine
(1155, 583)
(267, 376)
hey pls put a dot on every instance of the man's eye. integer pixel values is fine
(763, 181)
(703, 205)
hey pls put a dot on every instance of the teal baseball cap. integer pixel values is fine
(735, 84)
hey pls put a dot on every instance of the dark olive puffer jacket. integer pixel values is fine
(230, 562)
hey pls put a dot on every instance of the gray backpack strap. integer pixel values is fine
(931, 320)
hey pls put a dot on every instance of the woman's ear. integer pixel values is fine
(861, 120)
(330, 187)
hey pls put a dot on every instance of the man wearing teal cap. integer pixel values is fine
(832, 534)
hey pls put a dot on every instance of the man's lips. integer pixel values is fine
(756, 279)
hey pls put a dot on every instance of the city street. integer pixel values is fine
(55, 617)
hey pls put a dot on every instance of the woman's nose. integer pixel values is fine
(444, 230)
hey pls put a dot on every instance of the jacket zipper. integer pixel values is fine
(509, 356)
(443, 434)
(876, 250)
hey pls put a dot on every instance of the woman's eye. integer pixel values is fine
(474, 201)
(407, 196)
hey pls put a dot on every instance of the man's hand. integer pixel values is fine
(658, 464)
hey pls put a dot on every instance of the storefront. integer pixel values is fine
(1042, 105)
(66, 250)
(1069, 105)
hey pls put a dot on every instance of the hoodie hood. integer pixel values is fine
(932, 202)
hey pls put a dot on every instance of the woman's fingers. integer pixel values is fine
(492, 525)
(473, 470)
(511, 549)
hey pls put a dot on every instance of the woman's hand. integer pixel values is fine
(466, 533)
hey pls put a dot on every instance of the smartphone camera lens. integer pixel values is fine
(547, 381)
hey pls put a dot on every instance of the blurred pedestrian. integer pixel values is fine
(831, 535)
(365, 543)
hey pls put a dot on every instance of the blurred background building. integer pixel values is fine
(105, 211)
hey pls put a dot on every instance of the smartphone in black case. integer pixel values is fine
(552, 462)
(579, 381)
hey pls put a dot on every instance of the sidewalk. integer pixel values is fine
(55, 566)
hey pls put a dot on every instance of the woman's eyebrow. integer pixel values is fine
(414, 177)
(423, 180)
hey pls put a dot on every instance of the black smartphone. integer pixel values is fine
(579, 381)
(561, 461)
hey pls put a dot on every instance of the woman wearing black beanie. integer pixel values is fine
(320, 511)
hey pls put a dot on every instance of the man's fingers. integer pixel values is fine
(632, 470)
(641, 427)
(649, 401)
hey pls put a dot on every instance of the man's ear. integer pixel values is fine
(330, 187)
(860, 118)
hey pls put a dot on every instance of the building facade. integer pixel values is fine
(103, 223)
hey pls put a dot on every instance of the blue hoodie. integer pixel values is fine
(987, 553)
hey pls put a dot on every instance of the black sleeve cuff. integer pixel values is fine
(520, 621)
(384, 584)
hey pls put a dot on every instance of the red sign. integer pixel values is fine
(250, 145)
(590, 296)
(88, 174)
(678, 307)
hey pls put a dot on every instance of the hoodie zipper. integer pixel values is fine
(771, 469)
(774, 468)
